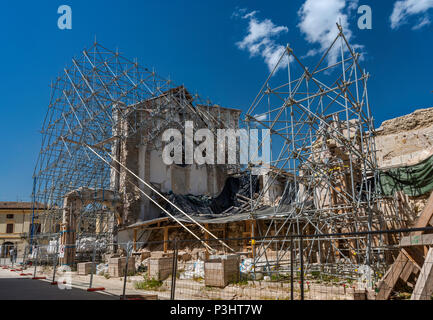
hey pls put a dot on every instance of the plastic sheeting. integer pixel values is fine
(102, 269)
(44, 250)
(52, 247)
(246, 266)
(414, 180)
(206, 205)
(366, 274)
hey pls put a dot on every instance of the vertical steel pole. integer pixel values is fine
(13, 257)
(174, 272)
(24, 257)
(2, 254)
(301, 256)
(33, 213)
(93, 265)
(128, 249)
(56, 256)
(292, 259)
(36, 261)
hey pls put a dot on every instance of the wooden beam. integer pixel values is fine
(206, 237)
(159, 228)
(165, 239)
(135, 239)
(400, 268)
(407, 271)
(424, 286)
(415, 255)
(391, 279)
(426, 215)
(420, 240)
(253, 232)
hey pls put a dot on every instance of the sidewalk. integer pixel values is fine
(16, 287)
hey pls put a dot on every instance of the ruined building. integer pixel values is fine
(101, 172)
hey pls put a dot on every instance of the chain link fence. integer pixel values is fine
(322, 267)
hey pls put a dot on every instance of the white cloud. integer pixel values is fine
(425, 21)
(262, 117)
(405, 8)
(318, 20)
(260, 39)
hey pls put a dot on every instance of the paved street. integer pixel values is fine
(15, 287)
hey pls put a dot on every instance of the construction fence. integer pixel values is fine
(353, 266)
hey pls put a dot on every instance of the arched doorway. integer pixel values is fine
(6, 248)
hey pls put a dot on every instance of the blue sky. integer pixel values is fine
(196, 43)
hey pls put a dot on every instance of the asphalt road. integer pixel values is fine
(15, 287)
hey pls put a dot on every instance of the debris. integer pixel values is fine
(193, 270)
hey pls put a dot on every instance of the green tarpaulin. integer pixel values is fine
(414, 180)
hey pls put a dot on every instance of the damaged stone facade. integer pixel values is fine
(142, 153)
(404, 141)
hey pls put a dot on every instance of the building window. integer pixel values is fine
(10, 228)
(9, 216)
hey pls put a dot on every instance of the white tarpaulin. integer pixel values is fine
(193, 270)
(101, 269)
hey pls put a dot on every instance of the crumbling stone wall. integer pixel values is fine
(405, 140)
(141, 151)
(129, 153)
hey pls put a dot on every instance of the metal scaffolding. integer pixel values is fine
(322, 137)
(322, 143)
(98, 105)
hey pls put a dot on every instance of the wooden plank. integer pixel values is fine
(407, 271)
(420, 240)
(389, 282)
(424, 286)
(399, 268)
(415, 254)
(146, 223)
(135, 239)
(426, 215)
(206, 236)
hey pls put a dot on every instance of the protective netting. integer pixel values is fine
(414, 180)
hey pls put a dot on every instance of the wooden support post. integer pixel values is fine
(165, 239)
(135, 239)
(253, 241)
(206, 237)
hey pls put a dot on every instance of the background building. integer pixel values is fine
(15, 222)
